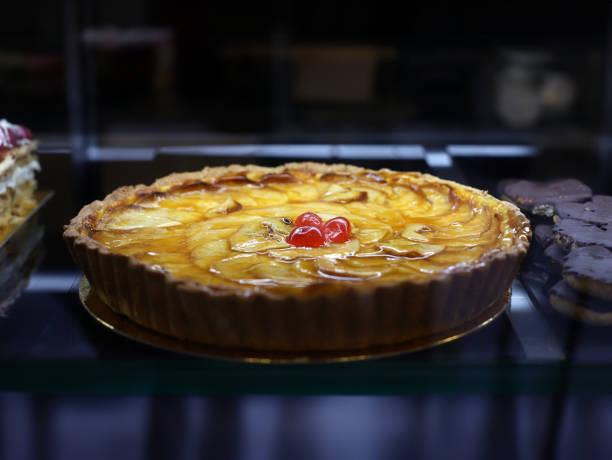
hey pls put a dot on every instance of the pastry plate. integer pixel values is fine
(127, 328)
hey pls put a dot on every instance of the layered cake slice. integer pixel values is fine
(17, 166)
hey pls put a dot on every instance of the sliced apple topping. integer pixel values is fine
(338, 194)
(416, 232)
(228, 206)
(268, 196)
(199, 233)
(208, 252)
(134, 217)
(370, 267)
(372, 235)
(410, 249)
(253, 229)
(406, 199)
(188, 202)
(261, 235)
(303, 193)
(245, 200)
(334, 251)
(259, 270)
(373, 195)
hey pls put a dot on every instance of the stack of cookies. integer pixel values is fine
(575, 229)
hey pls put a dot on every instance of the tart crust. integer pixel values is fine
(351, 317)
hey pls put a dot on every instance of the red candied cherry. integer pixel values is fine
(337, 230)
(309, 219)
(306, 236)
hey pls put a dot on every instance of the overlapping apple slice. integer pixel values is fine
(261, 235)
(372, 235)
(362, 268)
(214, 247)
(303, 193)
(258, 269)
(268, 196)
(136, 217)
(343, 195)
(410, 249)
(332, 251)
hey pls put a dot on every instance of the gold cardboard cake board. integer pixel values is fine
(124, 326)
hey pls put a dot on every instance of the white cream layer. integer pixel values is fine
(19, 175)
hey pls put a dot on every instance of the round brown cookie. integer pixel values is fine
(540, 198)
(596, 211)
(579, 305)
(573, 233)
(555, 254)
(544, 235)
(589, 270)
(500, 190)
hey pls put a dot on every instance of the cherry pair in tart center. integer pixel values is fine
(311, 231)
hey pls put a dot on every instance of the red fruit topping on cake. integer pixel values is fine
(306, 236)
(309, 219)
(312, 232)
(337, 230)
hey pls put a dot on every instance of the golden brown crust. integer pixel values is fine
(353, 317)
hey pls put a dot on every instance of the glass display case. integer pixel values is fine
(46, 331)
(120, 94)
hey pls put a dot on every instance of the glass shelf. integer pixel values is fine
(49, 342)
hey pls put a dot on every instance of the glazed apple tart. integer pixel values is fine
(304, 256)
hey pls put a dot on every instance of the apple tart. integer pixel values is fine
(210, 256)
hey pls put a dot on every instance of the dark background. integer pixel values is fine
(94, 78)
(439, 70)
